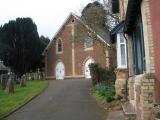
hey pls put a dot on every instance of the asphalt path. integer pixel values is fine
(62, 100)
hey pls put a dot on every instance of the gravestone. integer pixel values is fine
(23, 81)
(10, 85)
(4, 79)
(29, 76)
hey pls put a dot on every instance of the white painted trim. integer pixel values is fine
(83, 64)
(84, 67)
(107, 58)
(59, 61)
(119, 65)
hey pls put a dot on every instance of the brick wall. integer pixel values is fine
(143, 95)
(148, 36)
(80, 54)
(155, 20)
(141, 87)
(65, 57)
(147, 96)
(121, 75)
(123, 8)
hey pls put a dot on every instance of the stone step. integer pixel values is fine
(128, 109)
(116, 115)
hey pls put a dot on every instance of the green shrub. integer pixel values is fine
(119, 97)
(100, 74)
(103, 81)
(101, 89)
(107, 91)
(94, 73)
(110, 95)
(109, 98)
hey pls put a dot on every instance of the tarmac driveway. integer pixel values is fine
(62, 100)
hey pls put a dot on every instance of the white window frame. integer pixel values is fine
(59, 52)
(119, 52)
(85, 46)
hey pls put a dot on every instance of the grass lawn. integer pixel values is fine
(9, 102)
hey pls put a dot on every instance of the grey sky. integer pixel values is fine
(47, 14)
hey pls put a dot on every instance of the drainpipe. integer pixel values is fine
(127, 77)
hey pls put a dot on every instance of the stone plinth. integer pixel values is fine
(121, 75)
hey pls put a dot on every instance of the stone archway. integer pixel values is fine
(86, 68)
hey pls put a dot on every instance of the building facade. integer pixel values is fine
(139, 26)
(73, 48)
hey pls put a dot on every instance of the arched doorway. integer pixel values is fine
(86, 68)
(60, 71)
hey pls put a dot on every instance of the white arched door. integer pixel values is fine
(60, 71)
(86, 69)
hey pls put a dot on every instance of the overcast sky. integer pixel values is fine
(47, 14)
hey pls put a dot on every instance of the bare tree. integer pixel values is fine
(112, 19)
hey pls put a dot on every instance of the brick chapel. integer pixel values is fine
(73, 48)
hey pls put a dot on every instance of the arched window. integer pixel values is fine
(59, 46)
(88, 42)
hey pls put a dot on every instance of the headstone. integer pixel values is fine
(29, 76)
(4, 79)
(18, 80)
(23, 81)
(10, 85)
(32, 76)
(41, 76)
(38, 74)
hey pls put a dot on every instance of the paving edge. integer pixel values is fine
(26, 102)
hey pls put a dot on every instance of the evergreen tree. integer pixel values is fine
(20, 45)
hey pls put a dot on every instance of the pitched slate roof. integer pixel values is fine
(104, 37)
(118, 29)
(101, 33)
